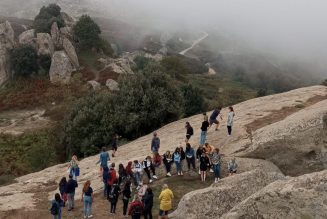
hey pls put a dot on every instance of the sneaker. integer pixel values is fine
(150, 181)
(169, 174)
(215, 180)
(181, 173)
(178, 174)
(199, 172)
(155, 177)
(211, 171)
(90, 216)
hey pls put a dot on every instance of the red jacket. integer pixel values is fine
(132, 206)
(112, 177)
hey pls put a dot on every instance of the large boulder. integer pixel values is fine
(66, 32)
(297, 144)
(69, 21)
(95, 85)
(112, 84)
(61, 68)
(70, 50)
(301, 197)
(55, 35)
(218, 199)
(45, 44)
(27, 38)
(7, 42)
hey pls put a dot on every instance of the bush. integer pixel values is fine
(141, 62)
(87, 32)
(44, 62)
(261, 92)
(193, 100)
(174, 67)
(24, 61)
(46, 17)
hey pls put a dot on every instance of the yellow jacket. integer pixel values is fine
(166, 198)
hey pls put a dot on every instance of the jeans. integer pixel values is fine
(178, 166)
(70, 200)
(105, 189)
(125, 201)
(87, 205)
(113, 206)
(137, 176)
(136, 217)
(190, 161)
(216, 170)
(168, 167)
(58, 216)
(72, 172)
(229, 129)
(203, 137)
(148, 214)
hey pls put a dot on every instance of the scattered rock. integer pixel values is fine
(28, 38)
(112, 84)
(95, 85)
(7, 42)
(45, 44)
(61, 68)
(70, 50)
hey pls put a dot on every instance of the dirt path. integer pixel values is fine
(196, 42)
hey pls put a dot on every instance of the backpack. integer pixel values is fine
(137, 210)
(54, 209)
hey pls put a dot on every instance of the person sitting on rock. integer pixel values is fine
(232, 166)
(156, 160)
(147, 166)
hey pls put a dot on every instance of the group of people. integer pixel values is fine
(121, 182)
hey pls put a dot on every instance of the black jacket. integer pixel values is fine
(71, 185)
(148, 201)
(189, 130)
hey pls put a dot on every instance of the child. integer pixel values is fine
(189, 131)
(232, 167)
(113, 196)
(190, 157)
(104, 158)
(121, 173)
(216, 161)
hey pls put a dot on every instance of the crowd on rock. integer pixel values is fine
(128, 183)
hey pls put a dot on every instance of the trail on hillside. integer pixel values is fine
(196, 42)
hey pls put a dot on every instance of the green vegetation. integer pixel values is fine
(24, 61)
(193, 100)
(46, 17)
(44, 62)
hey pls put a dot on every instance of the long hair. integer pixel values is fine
(231, 109)
(57, 197)
(86, 186)
(63, 181)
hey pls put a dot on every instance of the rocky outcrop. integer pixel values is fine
(95, 85)
(69, 21)
(55, 35)
(61, 68)
(123, 65)
(45, 44)
(112, 84)
(28, 38)
(7, 42)
(224, 195)
(70, 50)
(301, 197)
(66, 32)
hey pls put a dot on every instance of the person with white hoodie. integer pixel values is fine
(230, 119)
(147, 166)
(137, 171)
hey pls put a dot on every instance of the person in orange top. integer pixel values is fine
(112, 178)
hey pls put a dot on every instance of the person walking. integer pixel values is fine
(204, 165)
(112, 178)
(190, 156)
(113, 196)
(167, 160)
(216, 162)
(165, 198)
(87, 198)
(104, 158)
(155, 143)
(177, 160)
(136, 208)
(147, 166)
(204, 129)
(56, 207)
(70, 191)
(127, 194)
(189, 131)
(230, 120)
(213, 118)
(62, 189)
(114, 144)
(105, 179)
(148, 203)
(73, 167)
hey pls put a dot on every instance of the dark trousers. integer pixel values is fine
(136, 217)
(148, 214)
(125, 206)
(229, 129)
(168, 167)
(108, 191)
(147, 171)
(190, 161)
(113, 207)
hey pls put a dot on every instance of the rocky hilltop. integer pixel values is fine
(276, 140)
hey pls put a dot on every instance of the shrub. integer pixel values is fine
(87, 32)
(261, 92)
(44, 62)
(174, 67)
(141, 62)
(193, 100)
(24, 61)
(46, 17)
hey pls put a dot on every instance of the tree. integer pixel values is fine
(24, 61)
(193, 100)
(141, 62)
(87, 32)
(173, 66)
(46, 17)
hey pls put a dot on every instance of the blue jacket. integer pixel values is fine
(190, 153)
(104, 157)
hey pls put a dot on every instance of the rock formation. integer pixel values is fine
(61, 68)
(55, 35)
(112, 84)
(7, 42)
(95, 85)
(27, 38)
(70, 50)
(45, 44)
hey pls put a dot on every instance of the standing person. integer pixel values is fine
(114, 144)
(138, 171)
(113, 196)
(209, 150)
(213, 118)
(127, 194)
(147, 166)
(73, 167)
(155, 143)
(167, 160)
(105, 179)
(121, 173)
(204, 165)
(136, 208)
(112, 178)
(230, 120)
(70, 191)
(232, 166)
(189, 131)
(62, 189)
(56, 206)
(141, 190)
(87, 198)
(177, 160)
(216, 162)
(204, 129)
(199, 152)
(190, 156)
(165, 199)
(148, 203)
(129, 172)
(104, 158)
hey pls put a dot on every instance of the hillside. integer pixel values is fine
(259, 123)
